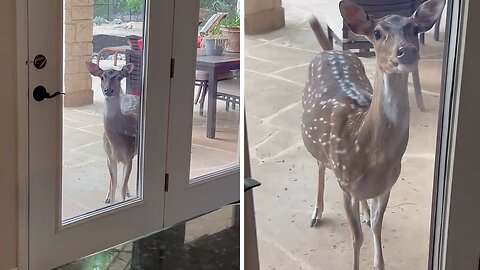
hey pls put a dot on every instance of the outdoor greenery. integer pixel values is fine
(231, 21)
(99, 20)
(215, 32)
(117, 9)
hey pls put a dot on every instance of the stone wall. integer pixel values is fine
(78, 50)
(263, 16)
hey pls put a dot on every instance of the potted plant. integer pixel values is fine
(214, 42)
(230, 28)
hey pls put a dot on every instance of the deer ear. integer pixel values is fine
(427, 14)
(126, 70)
(94, 69)
(355, 17)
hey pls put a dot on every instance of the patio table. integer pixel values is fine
(215, 65)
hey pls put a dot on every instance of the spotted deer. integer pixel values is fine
(358, 131)
(120, 128)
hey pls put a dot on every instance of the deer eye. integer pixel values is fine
(377, 34)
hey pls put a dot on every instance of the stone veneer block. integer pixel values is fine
(82, 13)
(78, 98)
(81, 2)
(264, 21)
(84, 30)
(77, 81)
(78, 50)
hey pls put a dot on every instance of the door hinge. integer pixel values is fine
(167, 178)
(172, 67)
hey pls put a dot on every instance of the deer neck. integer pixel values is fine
(112, 107)
(386, 122)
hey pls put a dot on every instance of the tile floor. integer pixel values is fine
(275, 74)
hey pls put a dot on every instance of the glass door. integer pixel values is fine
(205, 110)
(439, 164)
(97, 148)
(455, 221)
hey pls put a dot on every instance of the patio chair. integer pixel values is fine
(212, 22)
(201, 80)
(338, 30)
(134, 81)
(229, 91)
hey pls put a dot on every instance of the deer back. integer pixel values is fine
(335, 99)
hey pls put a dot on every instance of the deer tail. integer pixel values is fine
(320, 34)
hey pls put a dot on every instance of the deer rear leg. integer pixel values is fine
(379, 204)
(317, 213)
(127, 169)
(353, 215)
(112, 169)
(365, 211)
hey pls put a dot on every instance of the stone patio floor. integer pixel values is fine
(275, 74)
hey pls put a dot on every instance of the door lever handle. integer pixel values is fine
(40, 93)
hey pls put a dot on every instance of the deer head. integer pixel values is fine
(110, 79)
(394, 37)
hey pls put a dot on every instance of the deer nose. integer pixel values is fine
(407, 55)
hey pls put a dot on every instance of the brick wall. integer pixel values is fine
(78, 50)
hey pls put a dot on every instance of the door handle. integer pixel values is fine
(40, 93)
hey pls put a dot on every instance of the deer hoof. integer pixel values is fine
(314, 222)
(127, 194)
(107, 200)
(315, 217)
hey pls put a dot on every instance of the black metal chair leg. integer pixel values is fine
(202, 98)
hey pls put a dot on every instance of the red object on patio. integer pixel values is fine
(199, 41)
(140, 45)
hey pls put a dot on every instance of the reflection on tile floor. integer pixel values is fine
(211, 241)
(85, 173)
(276, 66)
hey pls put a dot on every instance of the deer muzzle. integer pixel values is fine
(407, 55)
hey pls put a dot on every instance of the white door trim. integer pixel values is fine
(22, 106)
(459, 247)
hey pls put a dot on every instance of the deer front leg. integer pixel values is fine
(317, 213)
(353, 215)
(379, 204)
(127, 169)
(112, 169)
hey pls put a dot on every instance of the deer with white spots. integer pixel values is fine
(120, 127)
(358, 131)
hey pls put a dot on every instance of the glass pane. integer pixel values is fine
(284, 153)
(215, 143)
(102, 103)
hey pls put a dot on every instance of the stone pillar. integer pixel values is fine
(263, 16)
(78, 50)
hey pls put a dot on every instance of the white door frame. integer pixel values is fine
(183, 199)
(456, 240)
(140, 222)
